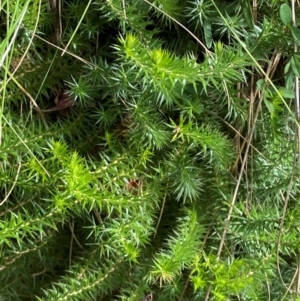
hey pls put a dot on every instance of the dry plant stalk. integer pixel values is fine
(62, 101)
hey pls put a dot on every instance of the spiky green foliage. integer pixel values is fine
(144, 149)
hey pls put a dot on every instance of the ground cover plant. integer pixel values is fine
(149, 150)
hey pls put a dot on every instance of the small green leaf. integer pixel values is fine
(218, 48)
(285, 14)
(296, 34)
(287, 67)
(261, 84)
(295, 64)
(269, 105)
(287, 93)
(289, 80)
(207, 33)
